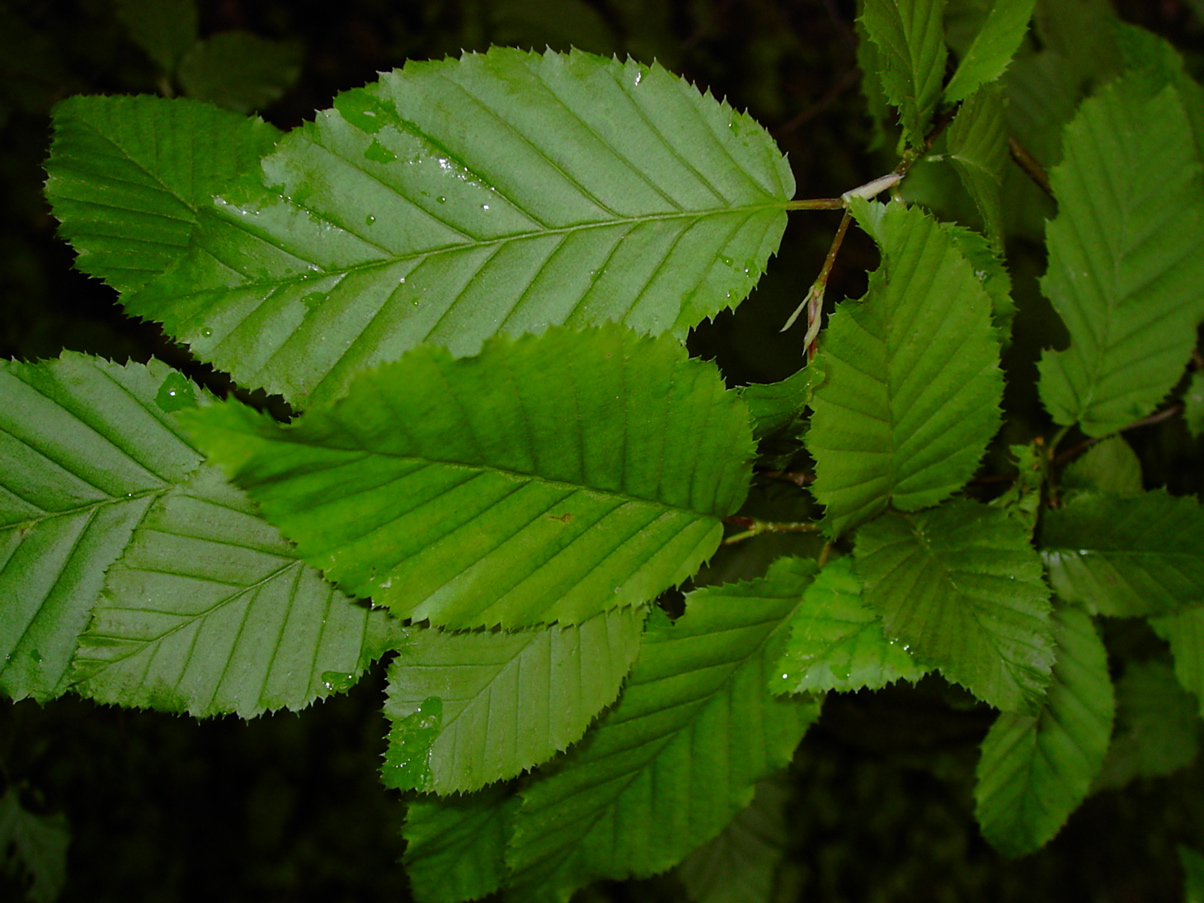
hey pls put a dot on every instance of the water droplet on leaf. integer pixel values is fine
(175, 393)
(337, 681)
(369, 219)
(378, 153)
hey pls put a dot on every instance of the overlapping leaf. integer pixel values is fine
(910, 39)
(454, 200)
(912, 389)
(836, 640)
(456, 846)
(978, 151)
(550, 478)
(1109, 466)
(506, 701)
(679, 754)
(993, 47)
(1126, 555)
(130, 177)
(1036, 769)
(961, 587)
(1126, 257)
(1184, 631)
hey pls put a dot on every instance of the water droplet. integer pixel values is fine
(363, 110)
(369, 219)
(206, 333)
(639, 77)
(36, 656)
(727, 261)
(441, 199)
(378, 153)
(484, 206)
(312, 300)
(401, 281)
(337, 681)
(175, 393)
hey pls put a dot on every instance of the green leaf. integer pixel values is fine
(163, 28)
(551, 478)
(456, 200)
(1126, 555)
(1193, 874)
(455, 847)
(778, 407)
(1109, 466)
(910, 38)
(739, 864)
(961, 588)
(209, 611)
(1036, 769)
(85, 450)
(836, 640)
(1184, 631)
(978, 151)
(131, 176)
(679, 754)
(1154, 63)
(869, 61)
(993, 48)
(1193, 405)
(990, 270)
(1126, 258)
(33, 845)
(240, 71)
(1157, 727)
(1082, 32)
(912, 389)
(507, 701)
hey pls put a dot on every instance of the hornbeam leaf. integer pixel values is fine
(455, 200)
(86, 447)
(456, 846)
(910, 37)
(1126, 257)
(1126, 555)
(961, 588)
(1036, 769)
(209, 611)
(912, 390)
(679, 755)
(507, 701)
(836, 640)
(1184, 631)
(550, 478)
(994, 45)
(130, 177)
(978, 151)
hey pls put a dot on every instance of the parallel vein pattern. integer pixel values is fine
(550, 478)
(562, 189)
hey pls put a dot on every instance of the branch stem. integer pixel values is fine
(757, 527)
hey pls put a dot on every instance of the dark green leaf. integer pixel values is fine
(240, 71)
(33, 846)
(1193, 405)
(1184, 631)
(1193, 872)
(978, 151)
(1108, 466)
(163, 28)
(455, 847)
(777, 407)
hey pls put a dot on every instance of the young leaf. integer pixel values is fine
(679, 754)
(507, 701)
(1126, 257)
(910, 39)
(992, 50)
(209, 611)
(978, 151)
(1126, 555)
(1036, 769)
(131, 177)
(86, 447)
(836, 640)
(551, 478)
(961, 588)
(456, 847)
(912, 389)
(456, 200)
(1184, 631)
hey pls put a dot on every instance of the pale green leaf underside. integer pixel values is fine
(910, 37)
(978, 151)
(456, 846)
(988, 56)
(912, 389)
(836, 640)
(508, 700)
(456, 200)
(1184, 631)
(669, 765)
(128, 176)
(1126, 555)
(85, 450)
(1036, 769)
(1126, 257)
(962, 588)
(209, 611)
(550, 478)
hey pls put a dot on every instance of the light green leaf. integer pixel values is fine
(978, 151)
(240, 71)
(163, 28)
(679, 754)
(912, 389)
(455, 200)
(131, 176)
(1126, 555)
(1126, 258)
(209, 611)
(455, 847)
(990, 270)
(1184, 631)
(961, 588)
(836, 640)
(85, 450)
(550, 478)
(1193, 405)
(910, 38)
(739, 864)
(1036, 769)
(1108, 466)
(993, 48)
(507, 701)
(33, 846)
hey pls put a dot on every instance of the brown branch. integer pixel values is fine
(1029, 164)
